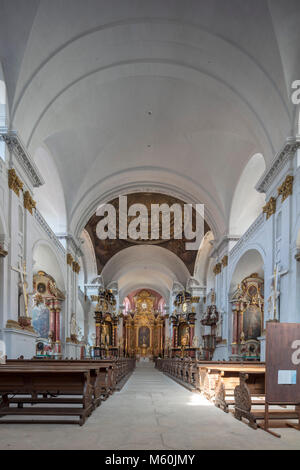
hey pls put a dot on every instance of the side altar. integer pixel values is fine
(184, 341)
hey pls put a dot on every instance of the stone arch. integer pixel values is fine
(46, 259)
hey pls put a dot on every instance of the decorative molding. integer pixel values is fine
(29, 203)
(12, 324)
(247, 235)
(72, 242)
(70, 259)
(225, 261)
(16, 146)
(286, 188)
(14, 182)
(278, 164)
(270, 208)
(222, 244)
(51, 235)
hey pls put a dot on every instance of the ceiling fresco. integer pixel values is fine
(105, 249)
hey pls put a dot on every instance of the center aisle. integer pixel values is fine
(154, 412)
(151, 412)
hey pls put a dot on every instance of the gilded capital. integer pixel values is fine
(286, 189)
(76, 267)
(225, 261)
(70, 259)
(217, 268)
(270, 208)
(14, 181)
(29, 203)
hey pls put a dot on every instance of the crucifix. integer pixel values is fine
(274, 299)
(275, 294)
(22, 272)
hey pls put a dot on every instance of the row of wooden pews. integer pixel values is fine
(68, 390)
(232, 386)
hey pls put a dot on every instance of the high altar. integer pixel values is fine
(144, 328)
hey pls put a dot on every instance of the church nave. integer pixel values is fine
(150, 224)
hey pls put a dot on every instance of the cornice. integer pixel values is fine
(248, 234)
(222, 245)
(73, 244)
(16, 146)
(43, 224)
(278, 163)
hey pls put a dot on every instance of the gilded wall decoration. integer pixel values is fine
(286, 189)
(70, 259)
(76, 267)
(14, 182)
(224, 261)
(29, 203)
(270, 207)
(217, 269)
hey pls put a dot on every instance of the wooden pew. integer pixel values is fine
(111, 371)
(229, 379)
(103, 373)
(213, 379)
(219, 380)
(245, 408)
(49, 385)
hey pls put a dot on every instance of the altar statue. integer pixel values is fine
(195, 342)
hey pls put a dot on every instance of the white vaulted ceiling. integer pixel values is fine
(150, 267)
(135, 94)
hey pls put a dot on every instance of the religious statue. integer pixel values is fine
(219, 326)
(51, 337)
(273, 300)
(213, 297)
(195, 342)
(93, 339)
(73, 328)
(23, 298)
(104, 335)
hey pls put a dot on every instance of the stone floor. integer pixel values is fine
(151, 412)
